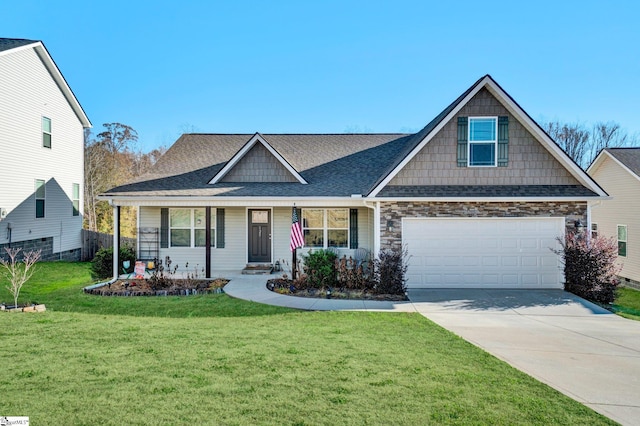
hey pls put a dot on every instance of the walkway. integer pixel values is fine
(581, 350)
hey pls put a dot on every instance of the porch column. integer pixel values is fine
(376, 229)
(116, 241)
(207, 242)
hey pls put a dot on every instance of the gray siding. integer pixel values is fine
(28, 92)
(529, 162)
(259, 165)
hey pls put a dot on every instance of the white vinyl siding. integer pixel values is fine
(28, 94)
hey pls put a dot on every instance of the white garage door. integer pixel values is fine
(483, 253)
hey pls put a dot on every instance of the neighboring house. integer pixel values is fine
(42, 154)
(618, 171)
(478, 196)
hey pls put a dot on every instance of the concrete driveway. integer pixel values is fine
(572, 345)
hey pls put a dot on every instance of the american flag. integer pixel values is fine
(297, 240)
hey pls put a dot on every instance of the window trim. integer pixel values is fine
(45, 132)
(43, 198)
(471, 142)
(192, 228)
(325, 226)
(75, 199)
(622, 241)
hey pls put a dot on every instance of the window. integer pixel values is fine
(622, 240)
(76, 199)
(594, 230)
(187, 228)
(483, 140)
(40, 198)
(46, 132)
(324, 228)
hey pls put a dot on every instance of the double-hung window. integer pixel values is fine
(40, 198)
(324, 228)
(46, 132)
(76, 199)
(622, 240)
(187, 228)
(483, 141)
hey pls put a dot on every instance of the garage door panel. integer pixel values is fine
(483, 253)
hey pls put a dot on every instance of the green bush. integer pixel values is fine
(102, 263)
(389, 271)
(319, 269)
(590, 268)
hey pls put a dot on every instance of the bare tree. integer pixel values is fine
(573, 138)
(18, 272)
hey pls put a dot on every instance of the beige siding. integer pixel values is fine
(259, 165)
(27, 93)
(529, 162)
(622, 209)
(233, 257)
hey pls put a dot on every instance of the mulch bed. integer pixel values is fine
(285, 286)
(142, 287)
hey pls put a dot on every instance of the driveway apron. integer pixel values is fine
(572, 345)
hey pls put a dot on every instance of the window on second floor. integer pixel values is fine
(622, 240)
(40, 198)
(76, 199)
(483, 140)
(46, 132)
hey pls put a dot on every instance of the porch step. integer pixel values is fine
(258, 269)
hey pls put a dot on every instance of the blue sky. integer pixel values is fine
(332, 66)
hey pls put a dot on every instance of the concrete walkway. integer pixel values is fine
(574, 346)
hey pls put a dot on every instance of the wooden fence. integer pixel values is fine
(93, 241)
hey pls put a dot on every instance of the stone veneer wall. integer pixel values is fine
(46, 245)
(391, 213)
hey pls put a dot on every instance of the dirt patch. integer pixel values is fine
(283, 286)
(144, 288)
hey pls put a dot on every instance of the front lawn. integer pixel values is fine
(627, 303)
(215, 360)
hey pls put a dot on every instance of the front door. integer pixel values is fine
(260, 236)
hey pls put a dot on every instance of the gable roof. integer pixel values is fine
(11, 45)
(333, 165)
(256, 139)
(424, 136)
(627, 158)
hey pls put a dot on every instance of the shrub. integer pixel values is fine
(102, 264)
(590, 270)
(319, 268)
(389, 271)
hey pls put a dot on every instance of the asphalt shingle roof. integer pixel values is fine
(630, 157)
(12, 43)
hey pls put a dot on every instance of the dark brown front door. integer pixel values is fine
(260, 236)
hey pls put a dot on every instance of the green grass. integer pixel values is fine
(216, 360)
(627, 303)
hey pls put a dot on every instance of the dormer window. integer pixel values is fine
(46, 132)
(483, 141)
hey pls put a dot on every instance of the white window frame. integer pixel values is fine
(43, 198)
(75, 199)
(47, 132)
(192, 227)
(471, 142)
(626, 235)
(325, 227)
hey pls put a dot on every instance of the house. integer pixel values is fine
(478, 196)
(42, 163)
(618, 171)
